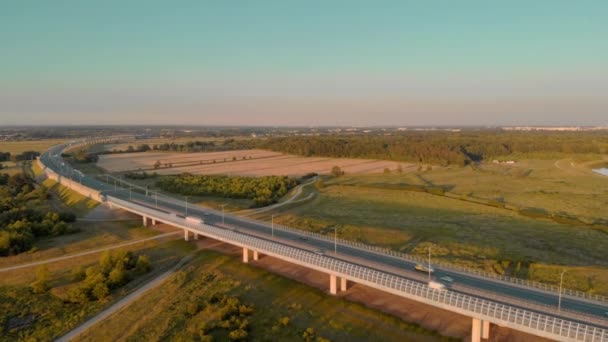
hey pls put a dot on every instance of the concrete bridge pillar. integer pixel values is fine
(255, 256)
(333, 284)
(245, 255)
(144, 221)
(153, 222)
(343, 284)
(476, 330)
(485, 329)
(186, 235)
(195, 236)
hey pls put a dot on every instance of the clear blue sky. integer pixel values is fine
(304, 62)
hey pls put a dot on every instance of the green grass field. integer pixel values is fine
(17, 147)
(473, 234)
(184, 309)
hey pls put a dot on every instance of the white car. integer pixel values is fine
(423, 268)
(447, 279)
(320, 252)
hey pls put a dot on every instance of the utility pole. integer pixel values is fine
(559, 299)
(186, 197)
(156, 198)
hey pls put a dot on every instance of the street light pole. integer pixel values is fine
(272, 225)
(429, 263)
(336, 239)
(156, 198)
(561, 281)
(223, 205)
(186, 204)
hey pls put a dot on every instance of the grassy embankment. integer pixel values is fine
(27, 316)
(189, 306)
(464, 229)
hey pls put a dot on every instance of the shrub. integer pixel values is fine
(336, 171)
(41, 285)
(100, 291)
(237, 335)
(143, 264)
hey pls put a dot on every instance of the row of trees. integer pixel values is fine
(442, 148)
(21, 219)
(263, 190)
(190, 146)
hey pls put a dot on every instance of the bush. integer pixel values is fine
(336, 171)
(237, 335)
(143, 264)
(41, 285)
(100, 291)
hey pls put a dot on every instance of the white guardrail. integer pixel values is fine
(504, 315)
(497, 313)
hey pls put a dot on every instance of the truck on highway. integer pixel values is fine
(436, 286)
(422, 268)
(194, 219)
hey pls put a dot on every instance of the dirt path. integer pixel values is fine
(123, 302)
(42, 262)
(296, 194)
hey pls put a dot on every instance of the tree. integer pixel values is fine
(143, 264)
(399, 169)
(157, 164)
(100, 291)
(41, 285)
(105, 261)
(117, 276)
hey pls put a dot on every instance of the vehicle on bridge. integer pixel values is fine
(320, 251)
(436, 286)
(447, 279)
(422, 268)
(194, 219)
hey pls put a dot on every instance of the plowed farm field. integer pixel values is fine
(242, 162)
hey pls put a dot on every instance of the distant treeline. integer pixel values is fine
(443, 148)
(262, 190)
(21, 218)
(190, 146)
(432, 147)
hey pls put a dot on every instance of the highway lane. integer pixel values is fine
(363, 256)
